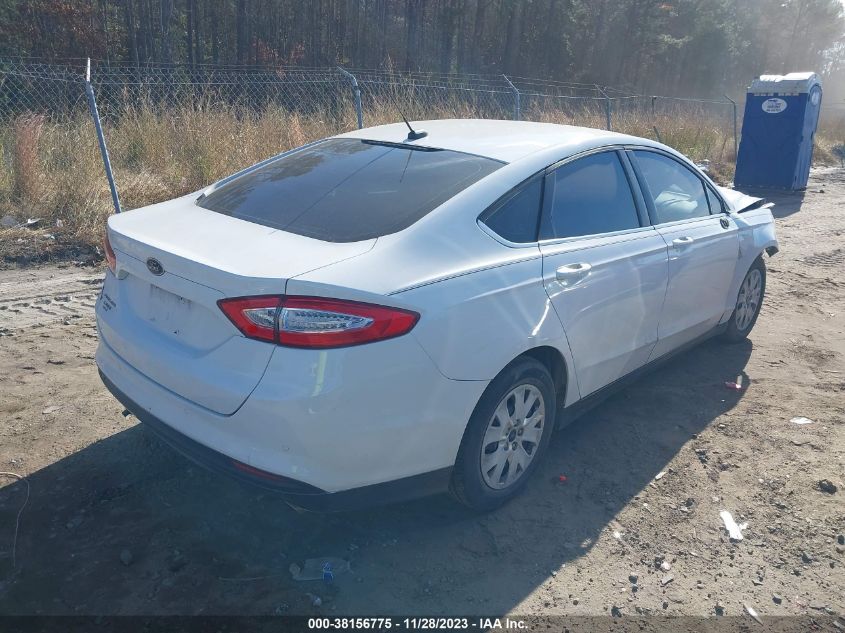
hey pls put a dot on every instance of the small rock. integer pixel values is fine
(176, 562)
(720, 608)
(825, 485)
(74, 522)
(665, 565)
(615, 611)
(776, 598)
(806, 557)
(126, 557)
(51, 409)
(667, 579)
(841, 539)
(840, 549)
(575, 601)
(633, 578)
(316, 601)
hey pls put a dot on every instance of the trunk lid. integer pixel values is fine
(165, 322)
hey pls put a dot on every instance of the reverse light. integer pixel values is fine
(111, 260)
(316, 322)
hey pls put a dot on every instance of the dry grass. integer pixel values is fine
(53, 170)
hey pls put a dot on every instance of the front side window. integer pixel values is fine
(589, 196)
(347, 190)
(716, 206)
(515, 218)
(677, 193)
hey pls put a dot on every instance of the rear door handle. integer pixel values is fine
(572, 273)
(682, 242)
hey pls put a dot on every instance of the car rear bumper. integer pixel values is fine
(296, 492)
(366, 423)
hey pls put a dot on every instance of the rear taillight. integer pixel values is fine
(111, 260)
(316, 322)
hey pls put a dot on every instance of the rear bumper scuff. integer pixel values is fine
(295, 492)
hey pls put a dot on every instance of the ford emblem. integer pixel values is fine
(154, 266)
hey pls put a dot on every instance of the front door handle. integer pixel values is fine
(572, 273)
(682, 242)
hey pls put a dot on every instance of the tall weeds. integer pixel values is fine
(26, 168)
(52, 169)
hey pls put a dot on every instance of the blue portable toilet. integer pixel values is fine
(781, 115)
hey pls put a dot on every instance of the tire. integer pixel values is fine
(486, 481)
(746, 312)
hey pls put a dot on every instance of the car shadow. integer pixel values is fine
(128, 526)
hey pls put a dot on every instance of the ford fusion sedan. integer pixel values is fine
(381, 315)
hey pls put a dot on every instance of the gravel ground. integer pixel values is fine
(117, 523)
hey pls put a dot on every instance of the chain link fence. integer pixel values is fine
(57, 91)
(172, 129)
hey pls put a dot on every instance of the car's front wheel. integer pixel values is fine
(748, 303)
(506, 436)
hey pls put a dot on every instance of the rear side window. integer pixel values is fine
(346, 190)
(590, 196)
(677, 193)
(516, 218)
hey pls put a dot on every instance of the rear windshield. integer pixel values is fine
(346, 190)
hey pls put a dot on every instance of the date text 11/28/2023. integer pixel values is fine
(416, 624)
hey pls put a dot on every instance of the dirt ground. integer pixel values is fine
(118, 523)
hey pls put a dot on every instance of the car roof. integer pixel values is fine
(506, 141)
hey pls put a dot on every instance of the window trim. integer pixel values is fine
(502, 200)
(648, 199)
(633, 186)
(715, 194)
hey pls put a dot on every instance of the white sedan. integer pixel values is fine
(384, 314)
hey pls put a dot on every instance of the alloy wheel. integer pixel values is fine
(749, 299)
(513, 435)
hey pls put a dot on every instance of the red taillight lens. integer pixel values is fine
(316, 322)
(111, 260)
(255, 317)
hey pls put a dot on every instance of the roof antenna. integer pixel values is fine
(413, 135)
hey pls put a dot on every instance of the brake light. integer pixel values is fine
(111, 260)
(316, 322)
(255, 317)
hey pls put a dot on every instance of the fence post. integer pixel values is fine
(607, 110)
(104, 152)
(357, 92)
(517, 113)
(736, 136)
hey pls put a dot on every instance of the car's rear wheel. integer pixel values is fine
(506, 436)
(748, 303)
